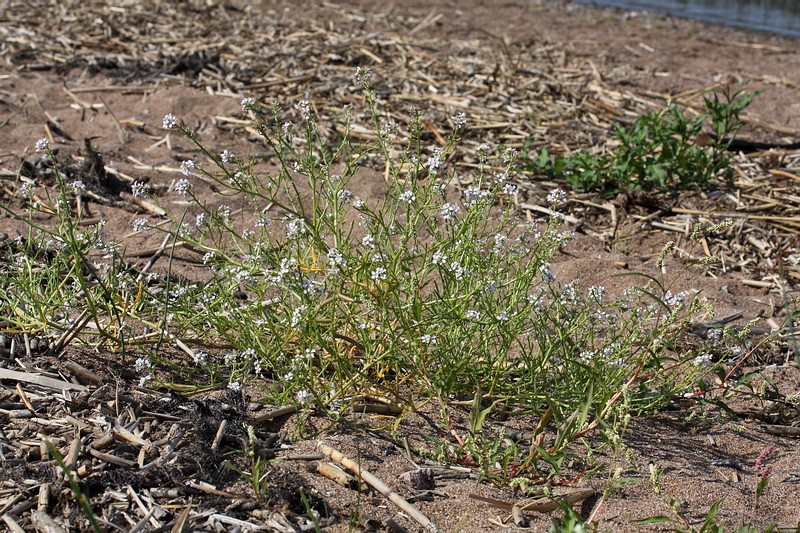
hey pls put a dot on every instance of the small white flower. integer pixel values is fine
(288, 130)
(714, 335)
(459, 119)
(169, 122)
(407, 197)
(188, 167)
(389, 130)
(674, 300)
(239, 179)
(294, 227)
(472, 314)
(304, 397)
(378, 274)
(305, 109)
(345, 194)
(199, 357)
(235, 386)
(556, 197)
(449, 211)
(140, 225)
(429, 339)
(368, 241)
(438, 258)
(139, 189)
(227, 157)
(224, 212)
(704, 360)
(26, 189)
(474, 196)
(183, 187)
(247, 103)
(142, 364)
(509, 156)
(336, 259)
(42, 144)
(510, 189)
(597, 292)
(262, 221)
(363, 74)
(297, 314)
(77, 187)
(435, 162)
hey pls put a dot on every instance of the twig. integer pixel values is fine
(378, 485)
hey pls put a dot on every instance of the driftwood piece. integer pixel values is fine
(378, 485)
(37, 379)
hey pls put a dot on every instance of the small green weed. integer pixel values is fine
(257, 476)
(656, 152)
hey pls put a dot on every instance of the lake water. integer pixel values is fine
(778, 16)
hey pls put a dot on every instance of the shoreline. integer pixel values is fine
(698, 17)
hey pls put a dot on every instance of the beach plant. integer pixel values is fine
(61, 264)
(424, 292)
(658, 151)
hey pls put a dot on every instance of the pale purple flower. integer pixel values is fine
(42, 144)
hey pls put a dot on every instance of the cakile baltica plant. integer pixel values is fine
(423, 292)
(426, 292)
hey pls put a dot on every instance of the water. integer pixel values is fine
(777, 16)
